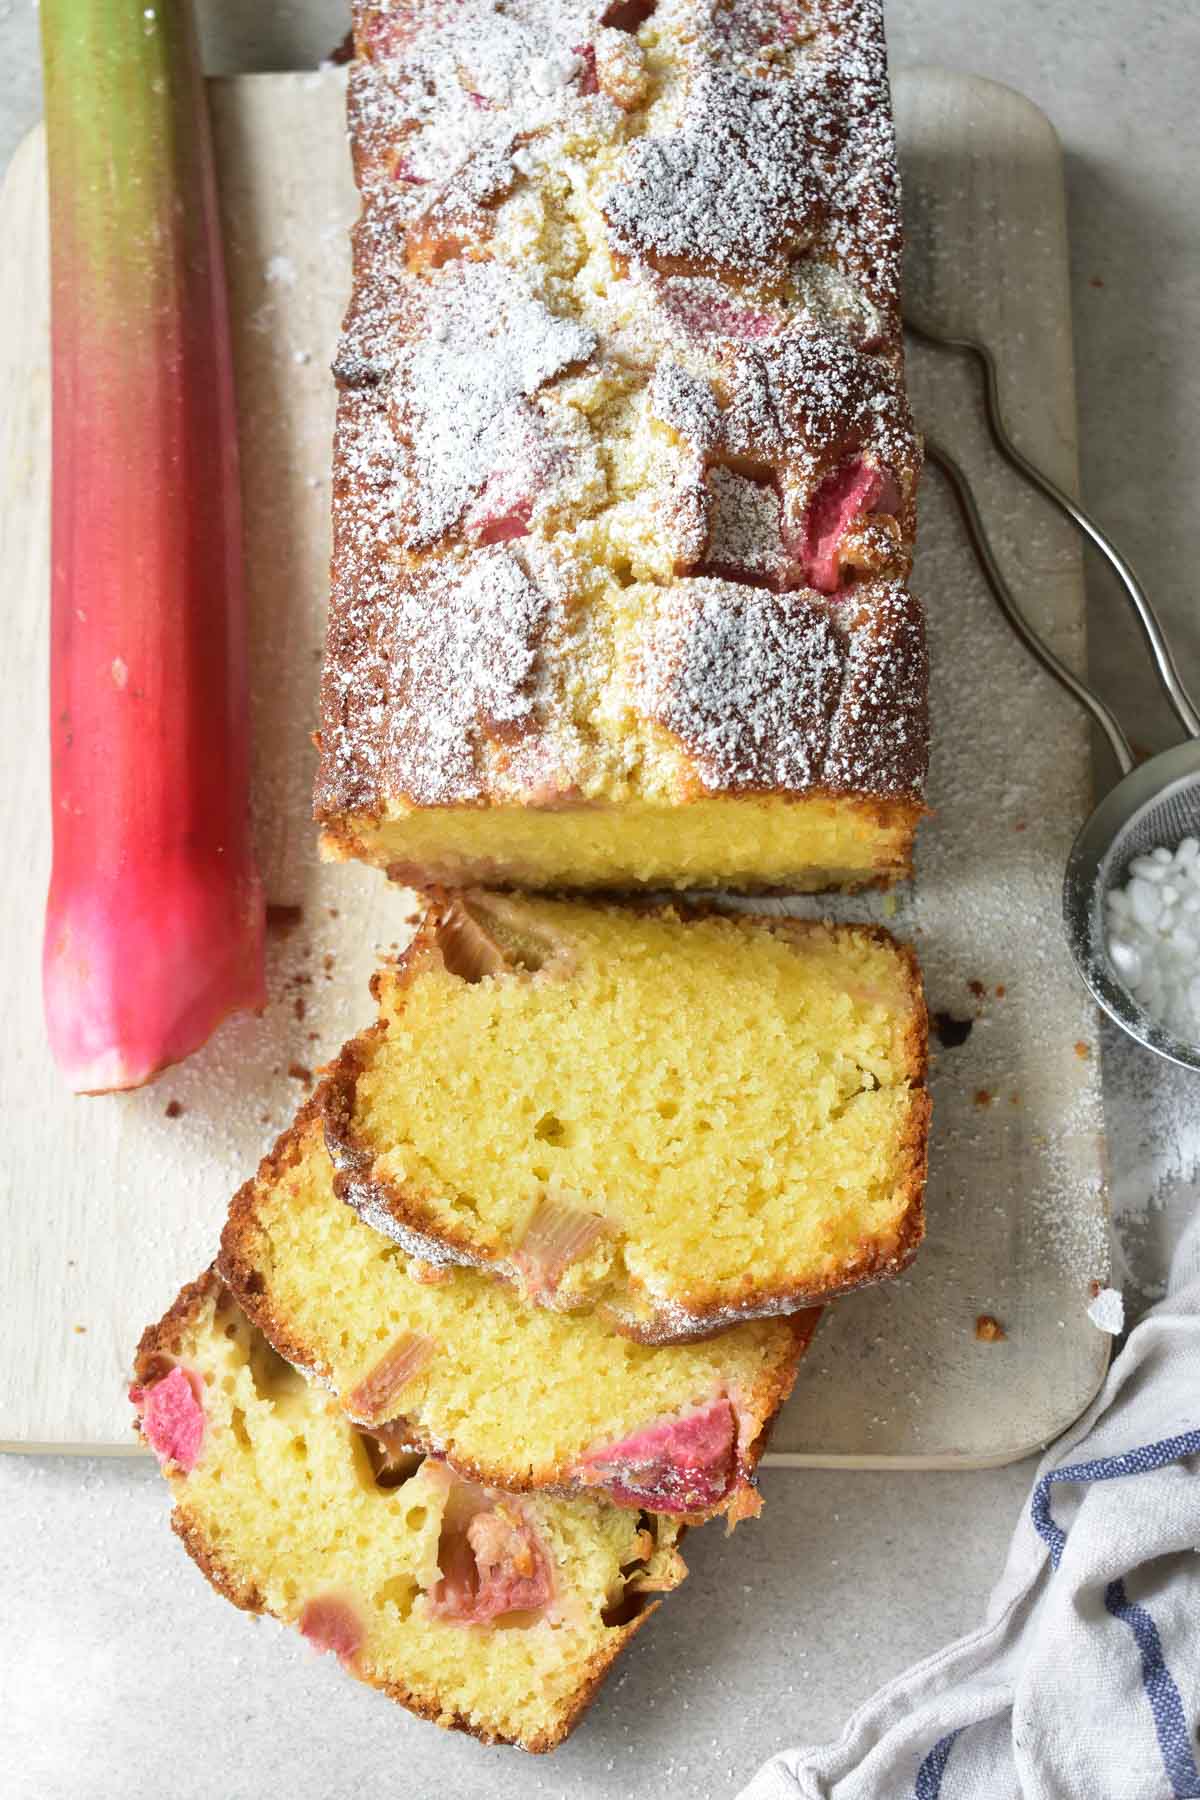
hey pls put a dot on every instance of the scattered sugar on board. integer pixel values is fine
(1153, 1110)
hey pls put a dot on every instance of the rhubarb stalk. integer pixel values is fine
(154, 919)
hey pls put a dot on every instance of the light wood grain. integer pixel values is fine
(108, 1204)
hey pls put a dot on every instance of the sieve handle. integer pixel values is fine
(1135, 593)
(1033, 642)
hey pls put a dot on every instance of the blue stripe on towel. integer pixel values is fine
(929, 1775)
(1166, 1707)
(1141, 1461)
(1170, 1724)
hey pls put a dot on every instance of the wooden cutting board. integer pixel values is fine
(109, 1204)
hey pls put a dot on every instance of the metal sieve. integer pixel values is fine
(1155, 802)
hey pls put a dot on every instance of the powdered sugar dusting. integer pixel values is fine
(451, 660)
(687, 403)
(442, 84)
(735, 188)
(747, 680)
(461, 395)
(785, 141)
(880, 730)
(497, 362)
(744, 534)
(777, 691)
(798, 411)
(686, 309)
(802, 401)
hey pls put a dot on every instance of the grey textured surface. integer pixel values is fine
(123, 1676)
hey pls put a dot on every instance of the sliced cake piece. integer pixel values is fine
(491, 1613)
(684, 1121)
(458, 1365)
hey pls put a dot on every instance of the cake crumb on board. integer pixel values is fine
(283, 919)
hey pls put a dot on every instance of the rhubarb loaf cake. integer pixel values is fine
(625, 474)
(496, 1614)
(456, 1364)
(682, 1122)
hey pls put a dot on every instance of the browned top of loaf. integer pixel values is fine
(749, 228)
(784, 142)
(764, 692)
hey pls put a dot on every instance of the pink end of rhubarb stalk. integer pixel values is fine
(154, 920)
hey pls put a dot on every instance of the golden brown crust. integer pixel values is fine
(803, 1326)
(232, 1587)
(403, 1213)
(235, 1260)
(165, 1339)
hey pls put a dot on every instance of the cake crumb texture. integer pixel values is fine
(681, 1121)
(455, 1363)
(483, 1611)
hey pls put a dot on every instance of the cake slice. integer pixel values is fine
(624, 471)
(487, 1612)
(683, 1122)
(455, 1364)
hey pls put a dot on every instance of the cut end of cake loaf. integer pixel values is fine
(456, 1364)
(625, 473)
(486, 1612)
(759, 845)
(683, 1122)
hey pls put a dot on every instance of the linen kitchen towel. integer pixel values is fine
(1083, 1683)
